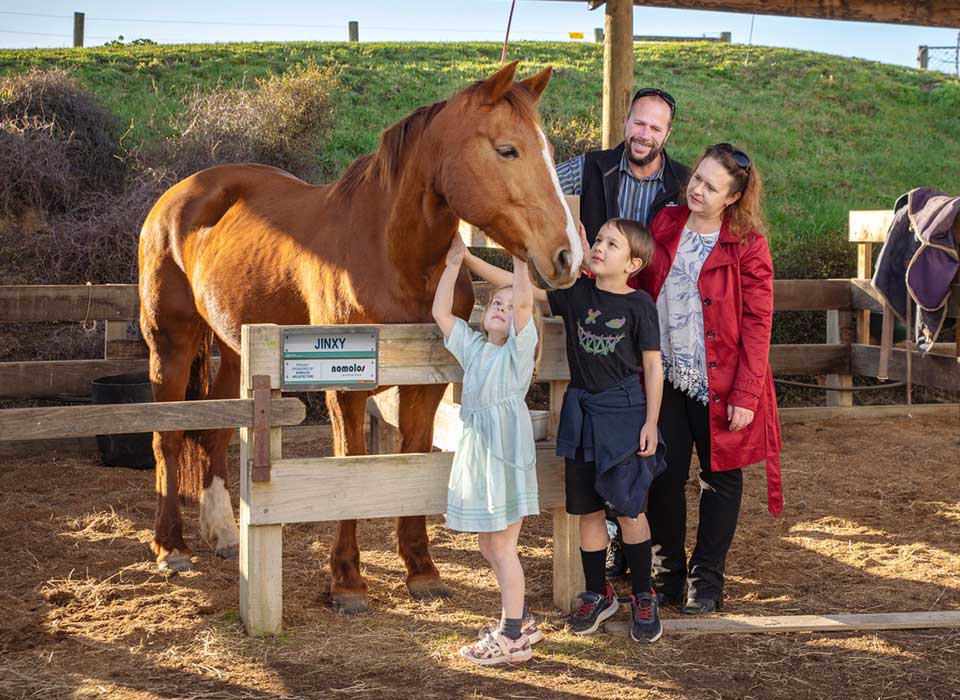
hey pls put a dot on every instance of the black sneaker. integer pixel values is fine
(617, 566)
(593, 610)
(646, 627)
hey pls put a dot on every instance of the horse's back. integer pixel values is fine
(225, 238)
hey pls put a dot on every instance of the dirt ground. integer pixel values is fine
(872, 524)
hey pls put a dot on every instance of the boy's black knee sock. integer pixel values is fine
(639, 558)
(595, 570)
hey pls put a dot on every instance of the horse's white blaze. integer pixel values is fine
(217, 524)
(573, 233)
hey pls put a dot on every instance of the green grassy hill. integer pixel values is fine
(830, 134)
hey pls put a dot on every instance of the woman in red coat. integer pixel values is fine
(712, 279)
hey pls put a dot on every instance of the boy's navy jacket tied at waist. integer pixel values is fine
(606, 425)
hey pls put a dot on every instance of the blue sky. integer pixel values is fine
(452, 20)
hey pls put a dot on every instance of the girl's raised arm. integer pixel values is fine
(443, 299)
(523, 291)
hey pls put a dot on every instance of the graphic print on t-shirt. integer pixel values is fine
(595, 344)
(606, 332)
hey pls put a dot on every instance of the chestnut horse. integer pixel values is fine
(239, 244)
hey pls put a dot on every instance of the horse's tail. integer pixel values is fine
(194, 460)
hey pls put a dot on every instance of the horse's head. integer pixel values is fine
(496, 172)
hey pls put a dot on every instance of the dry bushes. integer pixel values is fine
(282, 122)
(75, 202)
(57, 144)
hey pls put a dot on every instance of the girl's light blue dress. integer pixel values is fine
(493, 482)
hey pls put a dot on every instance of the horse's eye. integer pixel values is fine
(508, 152)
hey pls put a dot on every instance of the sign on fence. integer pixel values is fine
(316, 358)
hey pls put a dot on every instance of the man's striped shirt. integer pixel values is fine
(636, 194)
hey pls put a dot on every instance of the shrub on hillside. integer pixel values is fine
(282, 122)
(571, 136)
(57, 144)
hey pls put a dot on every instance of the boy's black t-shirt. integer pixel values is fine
(606, 332)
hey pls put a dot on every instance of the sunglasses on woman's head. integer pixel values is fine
(657, 92)
(739, 157)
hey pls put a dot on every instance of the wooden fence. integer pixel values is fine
(118, 303)
(322, 489)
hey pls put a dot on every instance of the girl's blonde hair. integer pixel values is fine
(537, 319)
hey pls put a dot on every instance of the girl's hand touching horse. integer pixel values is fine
(456, 252)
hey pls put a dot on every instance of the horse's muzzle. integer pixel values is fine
(540, 278)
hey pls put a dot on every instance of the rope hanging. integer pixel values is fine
(503, 56)
(821, 387)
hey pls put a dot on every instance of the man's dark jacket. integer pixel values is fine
(600, 188)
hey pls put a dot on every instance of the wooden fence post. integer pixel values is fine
(864, 272)
(353, 29)
(923, 57)
(78, 21)
(840, 328)
(261, 546)
(567, 570)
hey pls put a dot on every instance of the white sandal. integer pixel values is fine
(496, 648)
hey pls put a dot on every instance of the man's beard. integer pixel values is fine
(654, 153)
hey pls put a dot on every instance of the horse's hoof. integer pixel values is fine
(428, 589)
(229, 552)
(351, 604)
(175, 561)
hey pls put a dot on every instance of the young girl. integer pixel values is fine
(493, 482)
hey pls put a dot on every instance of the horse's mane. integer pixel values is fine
(383, 165)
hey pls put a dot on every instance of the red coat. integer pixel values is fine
(736, 289)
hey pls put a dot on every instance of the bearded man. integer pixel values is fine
(636, 179)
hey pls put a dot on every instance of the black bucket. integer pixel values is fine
(127, 449)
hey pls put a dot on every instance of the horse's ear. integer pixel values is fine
(536, 84)
(498, 84)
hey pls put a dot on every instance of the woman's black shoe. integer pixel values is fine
(670, 600)
(701, 606)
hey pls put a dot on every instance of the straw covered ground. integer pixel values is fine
(872, 525)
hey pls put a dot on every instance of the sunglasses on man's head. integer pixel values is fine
(739, 157)
(657, 92)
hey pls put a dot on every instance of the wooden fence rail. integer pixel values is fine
(119, 302)
(113, 419)
(419, 348)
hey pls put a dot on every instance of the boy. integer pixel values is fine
(608, 431)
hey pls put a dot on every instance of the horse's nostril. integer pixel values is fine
(563, 261)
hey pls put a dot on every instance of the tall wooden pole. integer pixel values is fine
(617, 68)
(78, 21)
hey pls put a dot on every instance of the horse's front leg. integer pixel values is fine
(348, 590)
(418, 404)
